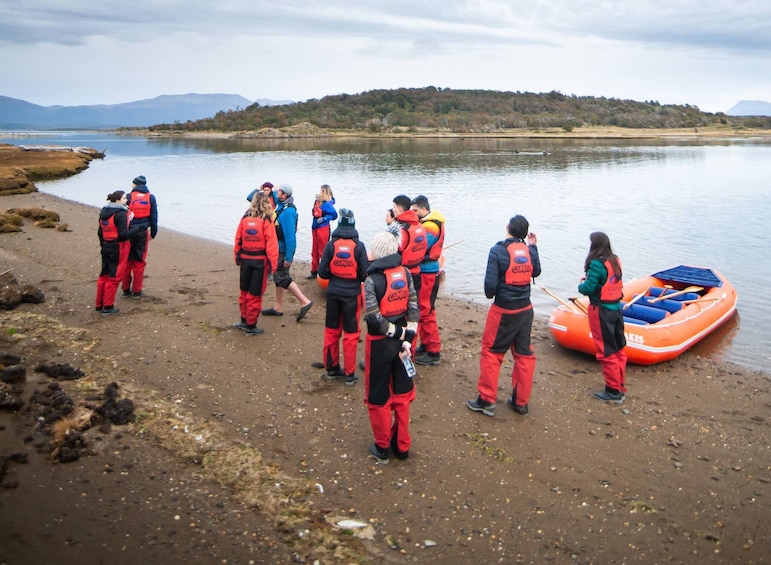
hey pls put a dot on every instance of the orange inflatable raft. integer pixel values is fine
(664, 314)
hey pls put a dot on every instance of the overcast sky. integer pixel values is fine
(708, 53)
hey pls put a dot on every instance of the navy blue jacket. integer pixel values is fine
(509, 297)
(338, 286)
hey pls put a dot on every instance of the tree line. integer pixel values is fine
(463, 111)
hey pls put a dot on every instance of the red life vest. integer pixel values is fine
(396, 297)
(344, 264)
(613, 288)
(139, 203)
(109, 229)
(317, 213)
(414, 250)
(253, 236)
(435, 251)
(520, 269)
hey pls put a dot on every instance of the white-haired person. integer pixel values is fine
(391, 313)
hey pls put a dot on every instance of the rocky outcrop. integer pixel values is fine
(21, 166)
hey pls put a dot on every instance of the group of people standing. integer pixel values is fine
(395, 282)
(126, 225)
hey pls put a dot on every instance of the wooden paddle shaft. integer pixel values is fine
(636, 298)
(557, 298)
(697, 300)
(678, 293)
(578, 304)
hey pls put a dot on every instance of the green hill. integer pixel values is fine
(462, 111)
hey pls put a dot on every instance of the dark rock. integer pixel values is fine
(10, 401)
(32, 294)
(112, 391)
(9, 359)
(67, 454)
(119, 413)
(13, 374)
(61, 371)
(19, 457)
(10, 297)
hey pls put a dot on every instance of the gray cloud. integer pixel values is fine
(716, 24)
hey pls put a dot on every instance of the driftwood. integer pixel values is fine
(84, 150)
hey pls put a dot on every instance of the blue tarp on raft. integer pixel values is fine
(690, 276)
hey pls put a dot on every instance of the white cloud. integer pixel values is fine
(710, 54)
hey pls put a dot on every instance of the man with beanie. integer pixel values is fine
(344, 263)
(428, 353)
(511, 265)
(286, 231)
(144, 213)
(391, 313)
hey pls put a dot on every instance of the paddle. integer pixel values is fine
(697, 300)
(580, 305)
(636, 298)
(557, 298)
(678, 293)
(446, 247)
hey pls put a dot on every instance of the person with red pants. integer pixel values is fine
(344, 263)
(256, 253)
(511, 265)
(411, 236)
(391, 313)
(433, 222)
(323, 212)
(145, 210)
(113, 234)
(604, 287)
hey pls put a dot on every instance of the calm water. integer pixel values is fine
(700, 202)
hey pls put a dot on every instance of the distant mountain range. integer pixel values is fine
(21, 115)
(750, 108)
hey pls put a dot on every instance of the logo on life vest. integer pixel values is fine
(344, 252)
(397, 281)
(252, 231)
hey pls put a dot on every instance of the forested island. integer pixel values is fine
(414, 110)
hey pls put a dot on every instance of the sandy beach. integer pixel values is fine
(242, 453)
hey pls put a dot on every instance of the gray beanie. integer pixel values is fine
(140, 180)
(286, 189)
(346, 218)
(383, 245)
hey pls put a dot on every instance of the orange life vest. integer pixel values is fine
(396, 297)
(613, 288)
(344, 264)
(414, 250)
(253, 236)
(520, 269)
(140, 204)
(435, 251)
(109, 229)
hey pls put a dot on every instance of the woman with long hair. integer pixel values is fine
(323, 213)
(604, 286)
(256, 253)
